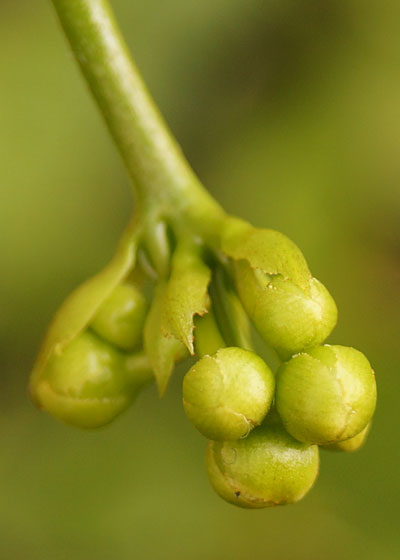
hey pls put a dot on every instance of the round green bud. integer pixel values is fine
(326, 394)
(267, 468)
(87, 384)
(289, 318)
(352, 444)
(120, 318)
(226, 395)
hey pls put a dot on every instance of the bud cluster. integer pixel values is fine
(264, 429)
(188, 279)
(92, 378)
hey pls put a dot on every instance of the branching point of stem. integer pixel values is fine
(163, 180)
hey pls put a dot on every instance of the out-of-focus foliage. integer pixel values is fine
(290, 113)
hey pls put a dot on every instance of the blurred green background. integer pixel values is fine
(290, 113)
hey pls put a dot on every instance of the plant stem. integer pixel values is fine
(163, 180)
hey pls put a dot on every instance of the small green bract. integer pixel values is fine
(267, 468)
(226, 395)
(326, 394)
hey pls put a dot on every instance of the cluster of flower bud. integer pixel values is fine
(92, 378)
(264, 429)
(210, 278)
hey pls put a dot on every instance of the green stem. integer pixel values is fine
(164, 181)
(138, 367)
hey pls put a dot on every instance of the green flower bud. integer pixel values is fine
(352, 444)
(88, 383)
(267, 468)
(326, 394)
(289, 318)
(226, 395)
(120, 319)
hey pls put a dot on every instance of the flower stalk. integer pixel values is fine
(164, 182)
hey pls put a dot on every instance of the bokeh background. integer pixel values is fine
(290, 113)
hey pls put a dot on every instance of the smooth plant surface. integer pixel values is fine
(89, 383)
(208, 276)
(326, 395)
(310, 312)
(120, 319)
(268, 468)
(351, 444)
(226, 395)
